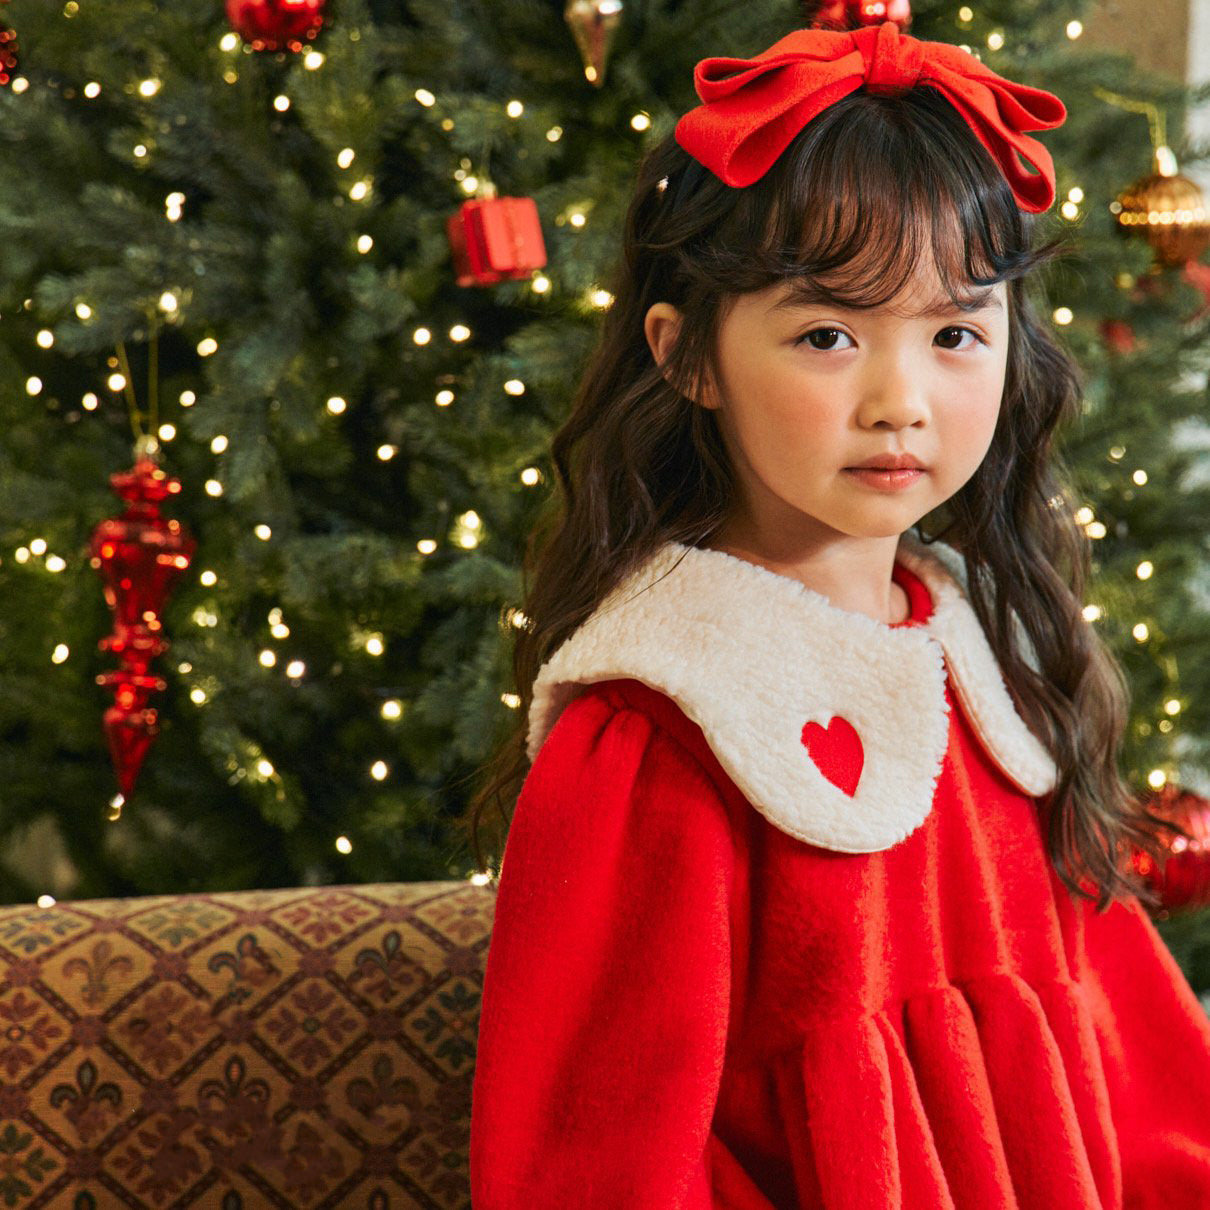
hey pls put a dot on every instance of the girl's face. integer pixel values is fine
(810, 391)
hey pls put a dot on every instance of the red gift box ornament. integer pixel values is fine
(140, 555)
(495, 239)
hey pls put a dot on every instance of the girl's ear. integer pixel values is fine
(662, 325)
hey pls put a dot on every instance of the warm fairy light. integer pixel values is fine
(263, 532)
(114, 812)
(1144, 570)
(640, 121)
(1140, 477)
(187, 399)
(295, 669)
(459, 332)
(19, 85)
(166, 432)
(540, 284)
(46, 901)
(514, 386)
(1156, 778)
(45, 338)
(208, 578)
(966, 14)
(426, 546)
(422, 336)
(55, 563)
(387, 452)
(1084, 515)
(374, 644)
(1096, 530)
(511, 700)
(392, 708)
(228, 42)
(38, 546)
(425, 97)
(360, 190)
(92, 90)
(1172, 706)
(267, 658)
(213, 487)
(601, 299)
(203, 617)
(313, 60)
(21, 554)
(184, 667)
(530, 476)
(1092, 613)
(168, 302)
(576, 218)
(1069, 210)
(469, 184)
(90, 402)
(480, 879)
(514, 109)
(148, 88)
(207, 346)
(281, 103)
(197, 696)
(61, 652)
(1075, 194)
(344, 844)
(116, 382)
(1074, 29)
(1063, 315)
(364, 243)
(83, 310)
(345, 157)
(140, 151)
(265, 768)
(33, 385)
(995, 40)
(1141, 632)
(218, 443)
(279, 630)
(443, 399)
(379, 770)
(336, 405)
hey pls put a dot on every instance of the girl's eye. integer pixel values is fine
(824, 339)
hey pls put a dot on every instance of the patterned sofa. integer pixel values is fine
(302, 1048)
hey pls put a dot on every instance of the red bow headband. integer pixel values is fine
(754, 107)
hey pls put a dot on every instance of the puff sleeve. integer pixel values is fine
(606, 991)
(1155, 1042)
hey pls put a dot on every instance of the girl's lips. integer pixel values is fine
(886, 480)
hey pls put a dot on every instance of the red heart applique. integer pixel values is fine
(837, 751)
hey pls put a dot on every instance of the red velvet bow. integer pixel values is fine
(753, 107)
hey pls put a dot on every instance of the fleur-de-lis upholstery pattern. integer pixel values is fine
(305, 1048)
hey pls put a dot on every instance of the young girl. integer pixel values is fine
(817, 893)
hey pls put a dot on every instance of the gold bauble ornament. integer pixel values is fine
(593, 25)
(1168, 210)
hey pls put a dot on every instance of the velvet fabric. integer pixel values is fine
(687, 1008)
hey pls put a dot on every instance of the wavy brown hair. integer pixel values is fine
(866, 190)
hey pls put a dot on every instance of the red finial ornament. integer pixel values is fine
(140, 555)
(846, 14)
(276, 24)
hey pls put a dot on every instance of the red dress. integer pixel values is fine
(687, 1008)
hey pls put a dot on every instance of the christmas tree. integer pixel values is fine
(234, 242)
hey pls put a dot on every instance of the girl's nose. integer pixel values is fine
(894, 392)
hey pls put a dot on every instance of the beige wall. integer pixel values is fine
(1156, 32)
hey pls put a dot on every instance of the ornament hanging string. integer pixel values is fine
(1155, 116)
(143, 435)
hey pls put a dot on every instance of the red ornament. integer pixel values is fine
(140, 555)
(1198, 275)
(1183, 881)
(276, 24)
(8, 52)
(848, 14)
(495, 238)
(1118, 335)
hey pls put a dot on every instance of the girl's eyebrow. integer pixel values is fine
(812, 296)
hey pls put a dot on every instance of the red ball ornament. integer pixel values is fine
(276, 24)
(8, 52)
(1183, 881)
(140, 556)
(850, 14)
(1118, 335)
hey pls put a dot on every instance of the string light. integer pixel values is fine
(345, 157)
(426, 546)
(514, 109)
(1074, 29)
(218, 444)
(1063, 315)
(443, 399)
(344, 844)
(268, 658)
(379, 770)
(33, 385)
(45, 338)
(1144, 570)
(313, 60)
(1140, 632)
(392, 708)
(208, 578)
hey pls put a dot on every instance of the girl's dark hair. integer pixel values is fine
(867, 190)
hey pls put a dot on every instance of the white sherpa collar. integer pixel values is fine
(753, 656)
